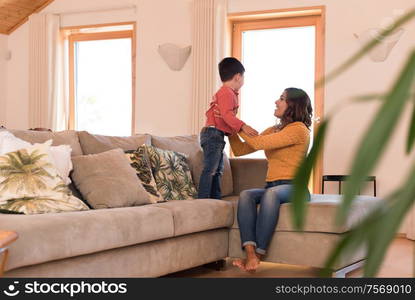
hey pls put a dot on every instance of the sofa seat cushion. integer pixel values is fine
(198, 215)
(49, 237)
(321, 214)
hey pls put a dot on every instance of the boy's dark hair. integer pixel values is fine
(229, 67)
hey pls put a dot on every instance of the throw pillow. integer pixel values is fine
(140, 161)
(172, 174)
(61, 155)
(190, 146)
(106, 180)
(30, 184)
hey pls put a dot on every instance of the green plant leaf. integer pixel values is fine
(388, 224)
(377, 230)
(376, 137)
(359, 236)
(365, 49)
(349, 242)
(411, 134)
(299, 197)
(369, 97)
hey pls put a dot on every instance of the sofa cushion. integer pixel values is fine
(172, 174)
(190, 146)
(140, 162)
(106, 180)
(94, 143)
(67, 137)
(321, 214)
(49, 237)
(30, 183)
(198, 215)
(61, 155)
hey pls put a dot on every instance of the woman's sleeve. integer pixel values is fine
(239, 148)
(288, 136)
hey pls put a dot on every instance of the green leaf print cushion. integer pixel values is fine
(31, 184)
(140, 161)
(172, 174)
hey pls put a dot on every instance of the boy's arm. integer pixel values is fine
(226, 110)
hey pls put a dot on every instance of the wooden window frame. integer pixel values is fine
(95, 36)
(285, 18)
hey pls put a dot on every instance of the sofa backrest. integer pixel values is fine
(94, 143)
(67, 137)
(83, 143)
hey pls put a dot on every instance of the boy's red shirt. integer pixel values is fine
(222, 111)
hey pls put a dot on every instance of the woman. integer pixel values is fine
(285, 146)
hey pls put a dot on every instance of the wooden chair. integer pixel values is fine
(6, 238)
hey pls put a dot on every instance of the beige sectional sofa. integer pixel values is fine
(158, 239)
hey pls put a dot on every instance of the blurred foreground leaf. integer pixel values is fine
(377, 136)
(299, 197)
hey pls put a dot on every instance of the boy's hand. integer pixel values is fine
(249, 130)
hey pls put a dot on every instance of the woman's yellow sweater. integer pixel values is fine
(284, 149)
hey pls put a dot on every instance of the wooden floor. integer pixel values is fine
(399, 262)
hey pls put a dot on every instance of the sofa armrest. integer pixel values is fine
(248, 173)
(6, 238)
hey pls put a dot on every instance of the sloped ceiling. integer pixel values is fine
(14, 13)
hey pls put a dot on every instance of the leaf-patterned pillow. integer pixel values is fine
(140, 161)
(172, 174)
(30, 183)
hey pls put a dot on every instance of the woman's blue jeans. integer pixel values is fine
(257, 226)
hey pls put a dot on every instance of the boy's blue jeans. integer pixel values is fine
(257, 227)
(212, 141)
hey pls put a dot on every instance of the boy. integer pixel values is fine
(221, 121)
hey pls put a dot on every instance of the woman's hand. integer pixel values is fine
(249, 130)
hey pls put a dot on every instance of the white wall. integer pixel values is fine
(18, 80)
(163, 96)
(3, 78)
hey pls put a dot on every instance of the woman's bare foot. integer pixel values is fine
(252, 260)
(240, 263)
(252, 263)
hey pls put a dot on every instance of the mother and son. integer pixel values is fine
(285, 145)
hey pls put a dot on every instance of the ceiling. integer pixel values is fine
(14, 13)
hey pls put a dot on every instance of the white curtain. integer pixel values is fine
(209, 27)
(48, 92)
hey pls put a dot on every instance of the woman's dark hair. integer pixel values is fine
(229, 67)
(299, 108)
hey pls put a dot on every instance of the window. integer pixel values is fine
(279, 49)
(102, 87)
